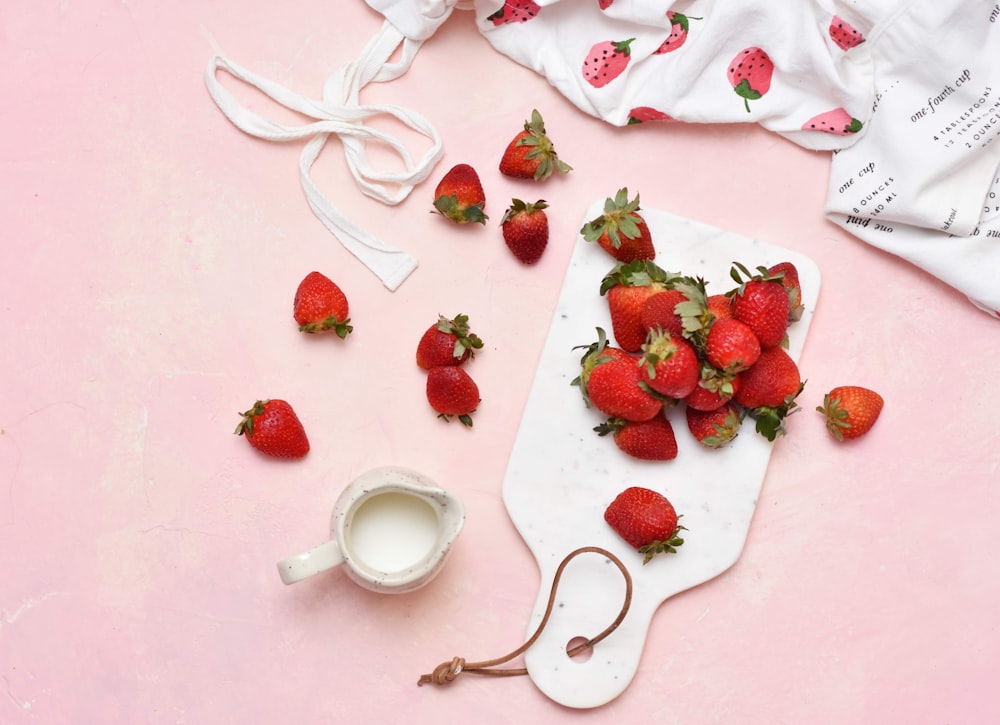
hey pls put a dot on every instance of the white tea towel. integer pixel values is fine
(923, 183)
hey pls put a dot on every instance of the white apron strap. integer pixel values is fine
(339, 113)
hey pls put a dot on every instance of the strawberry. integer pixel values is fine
(606, 61)
(768, 390)
(789, 275)
(272, 427)
(669, 365)
(610, 380)
(594, 354)
(627, 287)
(449, 342)
(525, 229)
(719, 305)
(679, 27)
(459, 196)
(836, 121)
(714, 428)
(620, 230)
(321, 305)
(514, 11)
(531, 155)
(646, 520)
(452, 393)
(850, 411)
(713, 390)
(731, 345)
(658, 311)
(762, 303)
(642, 114)
(650, 440)
(750, 74)
(845, 35)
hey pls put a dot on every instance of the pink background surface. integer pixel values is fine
(150, 256)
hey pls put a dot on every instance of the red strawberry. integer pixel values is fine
(620, 230)
(714, 389)
(750, 74)
(606, 61)
(790, 279)
(762, 304)
(272, 427)
(514, 11)
(658, 311)
(679, 27)
(845, 35)
(628, 287)
(669, 365)
(714, 428)
(610, 380)
(321, 305)
(459, 196)
(850, 411)
(449, 342)
(837, 121)
(731, 345)
(720, 305)
(526, 230)
(531, 154)
(768, 390)
(650, 440)
(452, 393)
(642, 114)
(646, 520)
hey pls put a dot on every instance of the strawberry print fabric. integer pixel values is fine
(797, 69)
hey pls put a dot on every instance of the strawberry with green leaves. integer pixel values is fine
(761, 302)
(714, 428)
(850, 411)
(649, 440)
(320, 305)
(448, 342)
(714, 388)
(525, 229)
(611, 382)
(531, 155)
(621, 230)
(459, 196)
(627, 287)
(646, 520)
(273, 428)
(453, 393)
(768, 390)
(669, 365)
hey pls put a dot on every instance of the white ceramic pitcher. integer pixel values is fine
(392, 530)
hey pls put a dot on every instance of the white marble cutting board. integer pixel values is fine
(561, 475)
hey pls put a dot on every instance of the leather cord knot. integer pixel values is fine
(446, 672)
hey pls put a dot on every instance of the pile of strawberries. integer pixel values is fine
(723, 356)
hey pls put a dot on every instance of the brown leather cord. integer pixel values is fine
(446, 672)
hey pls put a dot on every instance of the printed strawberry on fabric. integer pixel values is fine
(797, 69)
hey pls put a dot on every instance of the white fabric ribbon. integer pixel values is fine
(339, 113)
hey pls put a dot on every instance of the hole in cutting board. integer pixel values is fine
(584, 654)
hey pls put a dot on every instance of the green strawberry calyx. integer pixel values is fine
(541, 149)
(245, 426)
(620, 218)
(465, 339)
(666, 546)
